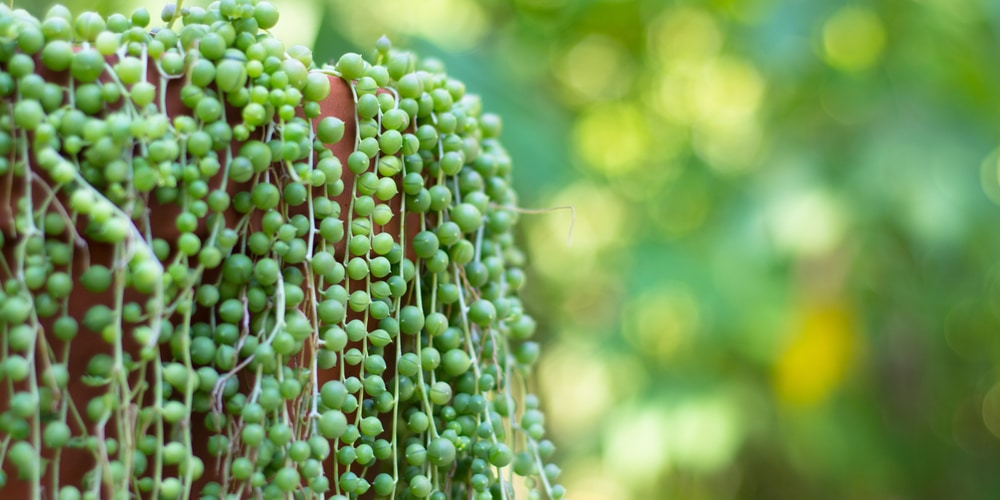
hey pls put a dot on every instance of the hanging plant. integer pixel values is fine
(232, 271)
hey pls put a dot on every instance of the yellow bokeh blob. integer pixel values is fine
(853, 39)
(817, 358)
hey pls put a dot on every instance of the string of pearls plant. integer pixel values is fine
(250, 314)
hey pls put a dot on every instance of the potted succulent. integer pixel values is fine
(230, 271)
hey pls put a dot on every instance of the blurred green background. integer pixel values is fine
(783, 280)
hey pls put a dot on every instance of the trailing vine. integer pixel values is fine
(221, 281)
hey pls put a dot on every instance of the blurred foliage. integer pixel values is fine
(784, 277)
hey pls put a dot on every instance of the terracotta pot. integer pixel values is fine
(74, 463)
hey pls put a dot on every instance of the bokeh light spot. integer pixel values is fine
(601, 223)
(698, 433)
(298, 24)
(596, 68)
(989, 176)
(576, 383)
(660, 322)
(718, 100)
(731, 147)
(705, 433)
(588, 481)
(685, 34)
(613, 139)
(637, 447)
(991, 409)
(670, 95)
(853, 38)
(728, 90)
(807, 222)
